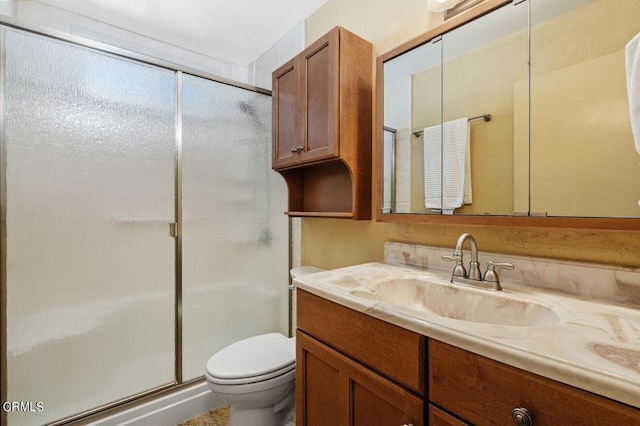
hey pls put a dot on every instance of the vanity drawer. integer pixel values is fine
(392, 351)
(483, 391)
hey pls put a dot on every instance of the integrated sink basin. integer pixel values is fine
(463, 303)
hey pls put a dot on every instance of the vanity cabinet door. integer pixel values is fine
(483, 391)
(437, 417)
(317, 384)
(332, 389)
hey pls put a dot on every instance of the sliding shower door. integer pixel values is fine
(235, 237)
(90, 153)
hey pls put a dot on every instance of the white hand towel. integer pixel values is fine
(633, 85)
(450, 142)
(432, 140)
(456, 166)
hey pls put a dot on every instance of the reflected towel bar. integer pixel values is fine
(485, 117)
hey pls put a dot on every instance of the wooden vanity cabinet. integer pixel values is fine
(355, 370)
(322, 112)
(484, 392)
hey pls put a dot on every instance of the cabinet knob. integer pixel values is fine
(296, 149)
(522, 417)
(408, 424)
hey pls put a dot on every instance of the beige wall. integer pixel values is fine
(332, 243)
(599, 181)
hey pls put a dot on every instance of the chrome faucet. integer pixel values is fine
(474, 266)
(474, 278)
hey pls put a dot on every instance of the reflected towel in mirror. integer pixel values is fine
(451, 143)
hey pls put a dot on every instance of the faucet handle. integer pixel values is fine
(458, 270)
(451, 258)
(491, 275)
(501, 265)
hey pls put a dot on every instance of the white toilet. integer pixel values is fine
(255, 376)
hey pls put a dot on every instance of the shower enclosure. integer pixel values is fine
(142, 228)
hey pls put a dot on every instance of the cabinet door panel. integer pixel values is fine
(332, 389)
(317, 384)
(319, 86)
(437, 417)
(370, 409)
(286, 130)
(322, 382)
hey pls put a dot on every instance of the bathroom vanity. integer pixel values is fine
(376, 344)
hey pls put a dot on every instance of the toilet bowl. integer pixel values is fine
(255, 376)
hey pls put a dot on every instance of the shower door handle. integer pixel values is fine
(148, 223)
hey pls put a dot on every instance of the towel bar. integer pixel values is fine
(485, 117)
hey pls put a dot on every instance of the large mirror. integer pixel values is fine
(522, 111)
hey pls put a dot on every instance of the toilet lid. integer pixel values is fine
(252, 357)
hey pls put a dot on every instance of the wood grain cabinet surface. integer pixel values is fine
(322, 112)
(484, 392)
(352, 369)
(437, 417)
(333, 389)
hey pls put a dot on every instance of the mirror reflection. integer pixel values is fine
(402, 79)
(559, 140)
(583, 157)
(389, 172)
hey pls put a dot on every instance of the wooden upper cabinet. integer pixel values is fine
(322, 124)
(305, 103)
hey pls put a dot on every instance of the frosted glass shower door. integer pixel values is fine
(90, 192)
(235, 235)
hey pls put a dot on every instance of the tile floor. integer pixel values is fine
(217, 417)
(220, 417)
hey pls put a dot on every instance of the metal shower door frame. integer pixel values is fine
(179, 71)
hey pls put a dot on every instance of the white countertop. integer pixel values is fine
(595, 346)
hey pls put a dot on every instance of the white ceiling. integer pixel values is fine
(235, 31)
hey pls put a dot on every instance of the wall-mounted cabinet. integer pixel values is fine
(322, 127)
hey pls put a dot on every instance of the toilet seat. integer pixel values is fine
(252, 360)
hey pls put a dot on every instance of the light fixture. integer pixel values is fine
(442, 5)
